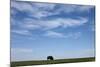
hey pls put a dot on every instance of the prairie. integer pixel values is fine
(56, 61)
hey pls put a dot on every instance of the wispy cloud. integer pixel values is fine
(52, 23)
(53, 34)
(72, 8)
(21, 6)
(37, 10)
(21, 32)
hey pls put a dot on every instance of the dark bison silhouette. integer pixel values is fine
(50, 58)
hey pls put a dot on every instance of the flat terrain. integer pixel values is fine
(42, 62)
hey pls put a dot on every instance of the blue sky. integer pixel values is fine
(42, 29)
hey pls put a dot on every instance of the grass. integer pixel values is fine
(42, 62)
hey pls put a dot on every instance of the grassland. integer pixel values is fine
(42, 62)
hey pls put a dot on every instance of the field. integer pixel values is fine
(42, 62)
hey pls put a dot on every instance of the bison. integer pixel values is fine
(50, 58)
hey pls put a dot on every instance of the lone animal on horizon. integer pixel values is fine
(50, 58)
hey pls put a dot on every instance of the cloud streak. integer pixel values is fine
(52, 23)
(53, 34)
(21, 32)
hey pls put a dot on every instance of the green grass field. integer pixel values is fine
(42, 62)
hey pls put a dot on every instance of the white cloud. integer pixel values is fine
(21, 32)
(69, 8)
(45, 6)
(37, 10)
(53, 34)
(21, 6)
(52, 23)
(69, 22)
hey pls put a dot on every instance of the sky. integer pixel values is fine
(63, 31)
